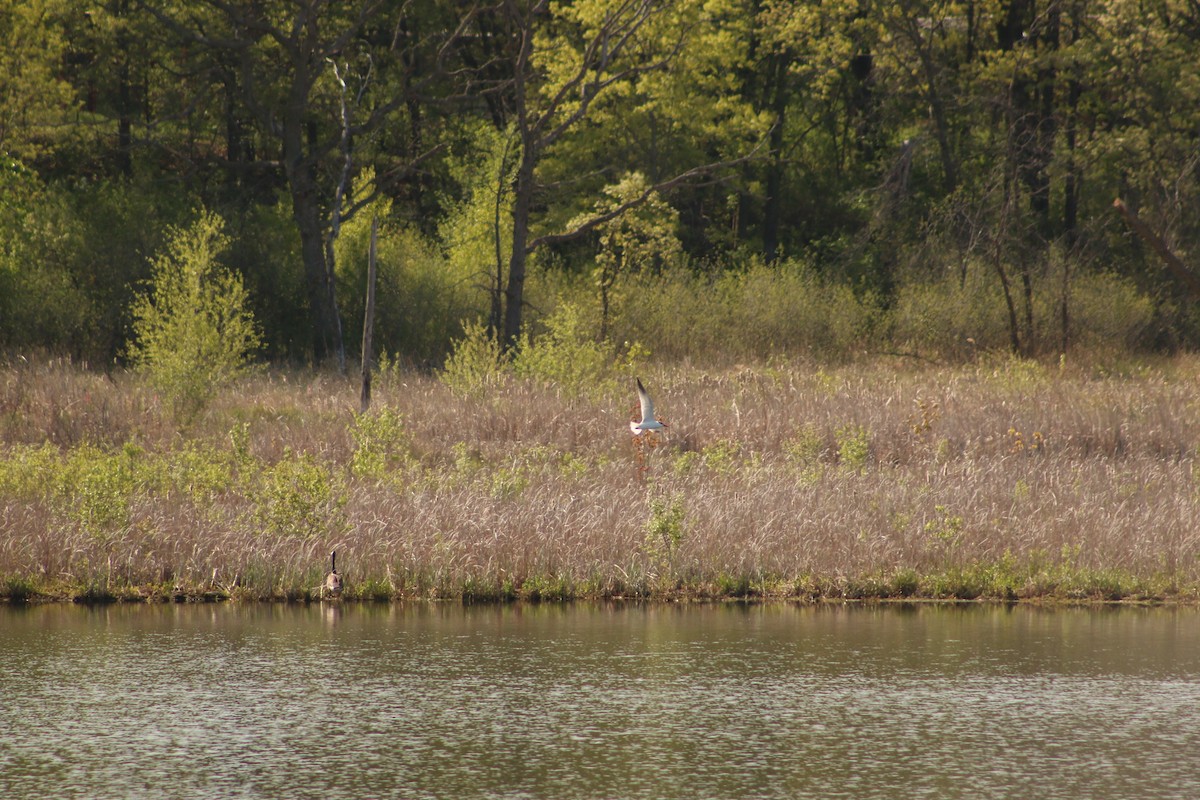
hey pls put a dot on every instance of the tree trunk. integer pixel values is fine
(773, 213)
(1014, 331)
(514, 293)
(364, 400)
(306, 210)
(124, 96)
(1182, 273)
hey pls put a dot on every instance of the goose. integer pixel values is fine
(333, 581)
(648, 422)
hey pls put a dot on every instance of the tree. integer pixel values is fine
(804, 60)
(287, 57)
(34, 98)
(193, 332)
(641, 238)
(564, 61)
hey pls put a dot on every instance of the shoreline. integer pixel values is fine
(1079, 592)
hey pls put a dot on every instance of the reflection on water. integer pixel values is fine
(598, 701)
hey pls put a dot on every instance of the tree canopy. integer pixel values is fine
(880, 147)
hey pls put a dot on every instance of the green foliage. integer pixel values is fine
(298, 497)
(508, 482)
(1013, 374)
(945, 529)
(892, 203)
(805, 451)
(18, 589)
(566, 356)
(721, 456)
(806, 446)
(546, 587)
(642, 238)
(422, 294)
(200, 473)
(193, 330)
(664, 531)
(95, 488)
(239, 442)
(1108, 311)
(467, 461)
(476, 363)
(854, 447)
(382, 446)
(964, 315)
(120, 223)
(30, 472)
(36, 100)
(951, 316)
(265, 250)
(750, 313)
(477, 231)
(739, 586)
(905, 582)
(41, 301)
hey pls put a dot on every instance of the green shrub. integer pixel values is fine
(199, 472)
(721, 456)
(961, 315)
(951, 316)
(420, 298)
(476, 363)
(566, 356)
(664, 531)
(1108, 310)
(381, 445)
(754, 312)
(193, 329)
(299, 497)
(854, 447)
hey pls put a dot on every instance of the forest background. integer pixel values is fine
(866, 256)
(716, 179)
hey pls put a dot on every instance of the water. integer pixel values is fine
(598, 701)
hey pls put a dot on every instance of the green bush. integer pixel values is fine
(421, 298)
(951, 316)
(753, 312)
(381, 445)
(854, 447)
(476, 363)
(664, 532)
(566, 356)
(299, 497)
(193, 331)
(1108, 310)
(959, 316)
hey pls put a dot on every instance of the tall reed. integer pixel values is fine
(1002, 478)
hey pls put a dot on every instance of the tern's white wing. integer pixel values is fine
(647, 403)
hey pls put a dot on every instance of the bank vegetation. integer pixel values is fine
(996, 478)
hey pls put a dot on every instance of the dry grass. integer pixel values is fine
(1005, 479)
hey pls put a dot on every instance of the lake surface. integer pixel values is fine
(598, 701)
